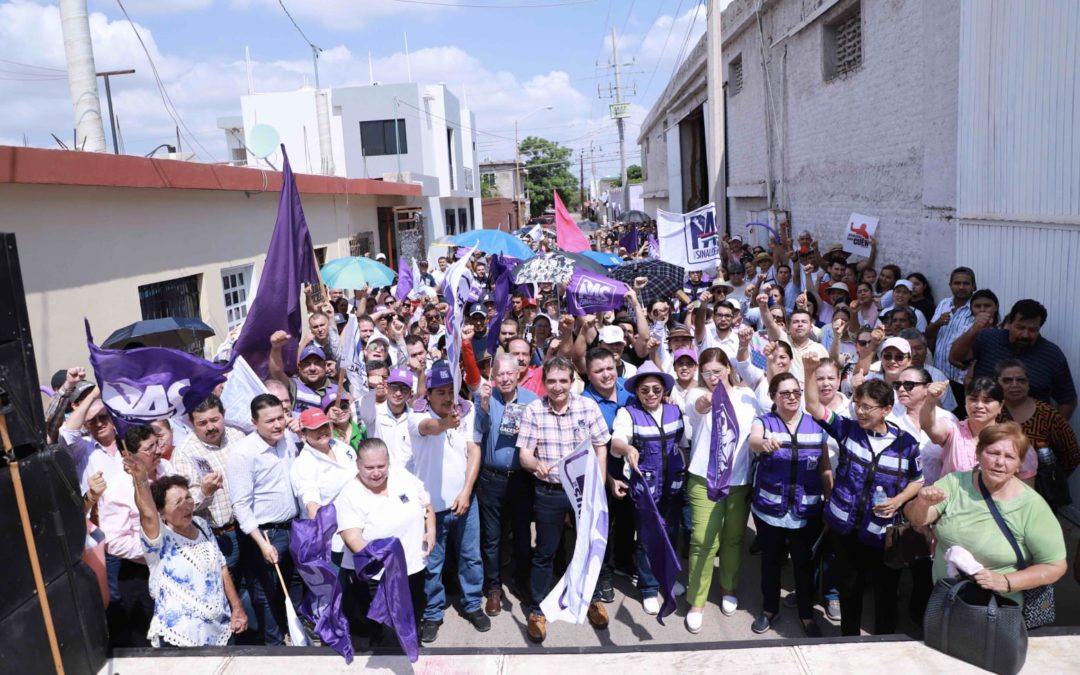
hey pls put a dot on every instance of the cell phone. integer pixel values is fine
(343, 404)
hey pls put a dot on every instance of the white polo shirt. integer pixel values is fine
(440, 461)
(397, 512)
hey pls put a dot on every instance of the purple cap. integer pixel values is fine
(685, 351)
(400, 376)
(312, 349)
(439, 375)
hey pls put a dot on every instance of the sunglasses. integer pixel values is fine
(655, 391)
(100, 418)
(893, 356)
(907, 386)
(1013, 380)
(792, 393)
(863, 343)
(400, 388)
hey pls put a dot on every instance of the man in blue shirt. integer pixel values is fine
(609, 392)
(503, 489)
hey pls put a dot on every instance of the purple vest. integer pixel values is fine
(659, 461)
(788, 480)
(306, 397)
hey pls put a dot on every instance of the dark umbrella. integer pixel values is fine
(664, 278)
(177, 332)
(588, 226)
(556, 268)
(635, 218)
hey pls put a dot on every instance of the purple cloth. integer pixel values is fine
(652, 534)
(404, 279)
(290, 262)
(500, 271)
(310, 549)
(145, 384)
(654, 247)
(631, 241)
(725, 436)
(588, 293)
(392, 604)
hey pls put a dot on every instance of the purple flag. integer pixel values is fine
(589, 292)
(654, 247)
(405, 279)
(310, 549)
(652, 534)
(500, 271)
(392, 604)
(290, 261)
(631, 241)
(145, 384)
(725, 436)
(457, 285)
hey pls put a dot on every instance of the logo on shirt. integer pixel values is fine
(404, 499)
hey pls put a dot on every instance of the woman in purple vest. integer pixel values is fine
(650, 435)
(790, 482)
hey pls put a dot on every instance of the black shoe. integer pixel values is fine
(479, 621)
(607, 591)
(791, 600)
(811, 628)
(429, 631)
(762, 623)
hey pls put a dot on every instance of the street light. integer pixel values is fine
(517, 162)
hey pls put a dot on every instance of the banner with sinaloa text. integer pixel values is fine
(689, 240)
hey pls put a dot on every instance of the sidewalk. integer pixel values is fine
(1057, 654)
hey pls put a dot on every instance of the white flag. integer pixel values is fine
(689, 240)
(456, 287)
(580, 473)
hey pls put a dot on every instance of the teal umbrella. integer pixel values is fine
(355, 273)
(494, 242)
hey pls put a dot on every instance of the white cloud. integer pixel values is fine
(145, 7)
(340, 15)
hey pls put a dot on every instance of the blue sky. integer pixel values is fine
(508, 61)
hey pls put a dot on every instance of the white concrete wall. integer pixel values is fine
(881, 140)
(292, 114)
(85, 251)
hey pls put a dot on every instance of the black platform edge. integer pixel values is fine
(645, 647)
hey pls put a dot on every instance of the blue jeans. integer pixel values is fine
(462, 535)
(505, 498)
(266, 595)
(550, 508)
(671, 509)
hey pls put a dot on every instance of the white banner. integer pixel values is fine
(456, 287)
(242, 386)
(580, 473)
(689, 240)
(857, 234)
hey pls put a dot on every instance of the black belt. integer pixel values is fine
(500, 472)
(549, 487)
(225, 528)
(284, 525)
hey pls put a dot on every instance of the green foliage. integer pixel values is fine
(488, 190)
(633, 175)
(548, 165)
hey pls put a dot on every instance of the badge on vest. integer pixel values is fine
(811, 462)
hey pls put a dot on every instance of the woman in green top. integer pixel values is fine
(956, 505)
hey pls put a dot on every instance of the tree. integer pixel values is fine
(488, 189)
(548, 168)
(633, 175)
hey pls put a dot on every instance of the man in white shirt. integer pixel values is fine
(97, 452)
(720, 332)
(389, 420)
(263, 503)
(447, 464)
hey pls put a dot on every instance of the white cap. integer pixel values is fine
(896, 343)
(905, 284)
(612, 334)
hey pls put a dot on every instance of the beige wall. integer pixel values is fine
(84, 251)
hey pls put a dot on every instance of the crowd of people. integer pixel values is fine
(858, 398)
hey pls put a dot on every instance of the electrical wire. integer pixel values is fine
(660, 57)
(686, 41)
(31, 65)
(166, 100)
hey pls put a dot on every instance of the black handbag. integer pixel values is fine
(1040, 607)
(905, 544)
(1051, 482)
(975, 625)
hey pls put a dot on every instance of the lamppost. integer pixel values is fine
(518, 188)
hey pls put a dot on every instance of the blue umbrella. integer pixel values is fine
(605, 259)
(176, 332)
(354, 273)
(494, 242)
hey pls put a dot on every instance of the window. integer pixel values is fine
(451, 226)
(735, 75)
(377, 138)
(488, 178)
(236, 284)
(450, 154)
(361, 243)
(463, 220)
(173, 298)
(239, 156)
(320, 256)
(843, 44)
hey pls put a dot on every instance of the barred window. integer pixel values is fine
(735, 75)
(843, 44)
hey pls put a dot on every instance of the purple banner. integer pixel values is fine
(631, 241)
(392, 604)
(405, 279)
(725, 437)
(457, 285)
(652, 535)
(588, 293)
(654, 247)
(501, 268)
(145, 384)
(310, 549)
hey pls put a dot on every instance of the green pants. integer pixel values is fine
(718, 526)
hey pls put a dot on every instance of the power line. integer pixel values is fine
(660, 57)
(31, 65)
(685, 43)
(295, 25)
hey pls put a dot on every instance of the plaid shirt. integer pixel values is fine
(217, 509)
(962, 320)
(551, 435)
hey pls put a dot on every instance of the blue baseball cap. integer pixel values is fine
(439, 375)
(313, 349)
(400, 376)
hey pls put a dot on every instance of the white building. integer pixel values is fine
(412, 133)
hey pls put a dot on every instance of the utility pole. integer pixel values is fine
(581, 180)
(108, 99)
(619, 112)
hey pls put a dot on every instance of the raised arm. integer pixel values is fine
(275, 363)
(869, 262)
(923, 509)
(149, 519)
(776, 332)
(814, 405)
(962, 348)
(936, 428)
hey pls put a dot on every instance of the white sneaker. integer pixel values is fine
(694, 621)
(729, 604)
(651, 605)
(679, 589)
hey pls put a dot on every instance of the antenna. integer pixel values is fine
(250, 74)
(408, 62)
(370, 70)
